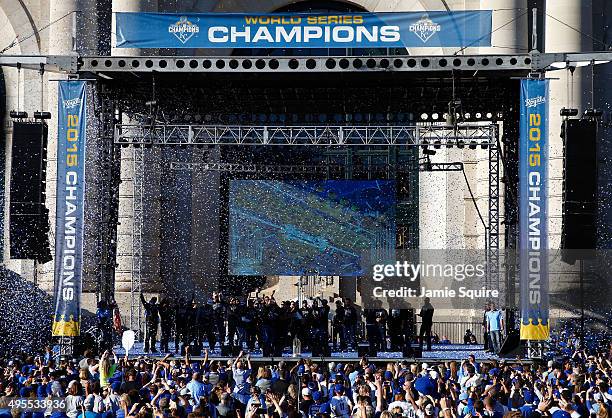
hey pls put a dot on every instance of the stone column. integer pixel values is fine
(566, 91)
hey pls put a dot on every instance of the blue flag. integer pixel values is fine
(533, 224)
(69, 204)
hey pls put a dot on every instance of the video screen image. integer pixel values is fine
(294, 228)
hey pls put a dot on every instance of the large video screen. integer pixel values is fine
(326, 227)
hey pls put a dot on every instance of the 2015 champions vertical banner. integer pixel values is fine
(70, 204)
(533, 230)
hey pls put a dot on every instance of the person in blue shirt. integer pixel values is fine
(495, 327)
(197, 388)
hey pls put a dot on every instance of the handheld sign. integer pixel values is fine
(127, 340)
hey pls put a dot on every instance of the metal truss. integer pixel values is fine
(105, 65)
(161, 134)
(50, 63)
(329, 64)
(305, 169)
(137, 253)
(493, 230)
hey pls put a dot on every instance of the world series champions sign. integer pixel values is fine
(301, 30)
(533, 228)
(70, 202)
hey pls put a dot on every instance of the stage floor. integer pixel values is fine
(438, 352)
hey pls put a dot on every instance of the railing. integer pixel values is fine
(454, 331)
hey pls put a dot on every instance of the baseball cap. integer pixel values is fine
(338, 388)
(306, 392)
(463, 396)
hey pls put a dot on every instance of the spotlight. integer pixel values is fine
(424, 144)
(593, 113)
(467, 116)
(451, 120)
(18, 114)
(489, 115)
(499, 115)
(568, 112)
(437, 144)
(460, 144)
(473, 144)
(484, 145)
(435, 116)
(424, 116)
(449, 143)
(42, 115)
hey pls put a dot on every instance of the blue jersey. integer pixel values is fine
(340, 407)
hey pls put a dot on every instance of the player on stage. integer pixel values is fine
(426, 314)
(151, 321)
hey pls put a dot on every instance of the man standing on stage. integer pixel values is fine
(166, 312)
(495, 327)
(152, 321)
(426, 314)
(487, 339)
(338, 327)
(350, 323)
(181, 324)
(219, 316)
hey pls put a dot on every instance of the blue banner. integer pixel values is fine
(295, 30)
(533, 228)
(69, 205)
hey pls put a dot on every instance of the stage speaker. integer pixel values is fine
(29, 218)
(579, 187)
(363, 349)
(226, 350)
(412, 350)
(511, 344)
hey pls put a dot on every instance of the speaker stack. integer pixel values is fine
(29, 218)
(579, 188)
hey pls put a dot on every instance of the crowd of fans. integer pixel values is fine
(576, 386)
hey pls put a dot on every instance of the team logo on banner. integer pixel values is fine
(425, 28)
(183, 29)
(70, 200)
(533, 182)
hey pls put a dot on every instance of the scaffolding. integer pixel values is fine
(143, 137)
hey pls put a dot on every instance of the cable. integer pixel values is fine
(474, 200)
(492, 32)
(17, 41)
(606, 46)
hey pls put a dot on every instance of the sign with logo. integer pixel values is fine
(70, 202)
(533, 227)
(425, 28)
(296, 30)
